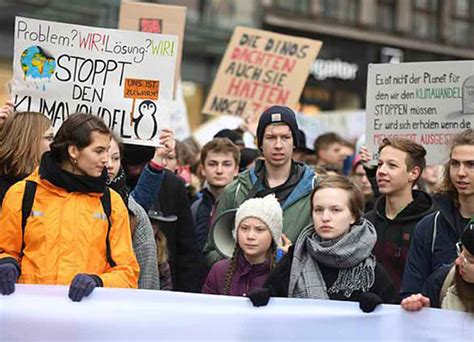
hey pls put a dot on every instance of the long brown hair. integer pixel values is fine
(20, 143)
(233, 265)
(465, 291)
(447, 187)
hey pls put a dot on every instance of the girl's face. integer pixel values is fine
(255, 239)
(46, 140)
(92, 159)
(332, 216)
(113, 165)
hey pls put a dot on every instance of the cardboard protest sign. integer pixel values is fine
(427, 102)
(155, 18)
(260, 69)
(60, 69)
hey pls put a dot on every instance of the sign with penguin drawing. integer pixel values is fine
(124, 77)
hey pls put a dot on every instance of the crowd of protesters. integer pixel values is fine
(80, 208)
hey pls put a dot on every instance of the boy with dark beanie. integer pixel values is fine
(291, 182)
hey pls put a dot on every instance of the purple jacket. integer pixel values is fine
(246, 277)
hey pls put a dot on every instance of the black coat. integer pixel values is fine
(394, 236)
(5, 183)
(279, 280)
(185, 260)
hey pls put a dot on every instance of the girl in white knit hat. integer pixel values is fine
(257, 232)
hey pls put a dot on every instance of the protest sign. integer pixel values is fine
(155, 18)
(427, 102)
(60, 69)
(260, 69)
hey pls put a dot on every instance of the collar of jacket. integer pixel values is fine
(302, 189)
(50, 171)
(244, 267)
(421, 206)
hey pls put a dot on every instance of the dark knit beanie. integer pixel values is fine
(467, 238)
(278, 114)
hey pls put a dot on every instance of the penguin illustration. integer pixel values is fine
(146, 120)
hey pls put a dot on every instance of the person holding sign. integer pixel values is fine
(400, 208)
(65, 211)
(435, 236)
(143, 239)
(291, 182)
(5, 111)
(332, 258)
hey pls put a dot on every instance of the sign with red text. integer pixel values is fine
(427, 102)
(60, 69)
(260, 69)
(155, 18)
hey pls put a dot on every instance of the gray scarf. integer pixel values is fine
(351, 254)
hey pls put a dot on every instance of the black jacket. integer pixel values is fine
(394, 236)
(279, 280)
(164, 192)
(433, 244)
(201, 211)
(5, 183)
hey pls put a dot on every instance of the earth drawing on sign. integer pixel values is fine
(37, 65)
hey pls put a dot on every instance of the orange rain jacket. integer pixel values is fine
(66, 235)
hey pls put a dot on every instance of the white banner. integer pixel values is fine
(44, 313)
(124, 77)
(427, 102)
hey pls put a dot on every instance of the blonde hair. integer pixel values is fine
(20, 142)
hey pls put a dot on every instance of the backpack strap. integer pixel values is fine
(106, 204)
(26, 206)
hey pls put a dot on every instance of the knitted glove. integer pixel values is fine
(8, 276)
(259, 297)
(82, 286)
(369, 301)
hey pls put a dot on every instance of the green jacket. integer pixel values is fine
(296, 208)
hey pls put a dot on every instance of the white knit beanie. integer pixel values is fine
(266, 209)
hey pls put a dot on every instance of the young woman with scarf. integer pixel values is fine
(332, 259)
(68, 223)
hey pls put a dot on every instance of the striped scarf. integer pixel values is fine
(351, 254)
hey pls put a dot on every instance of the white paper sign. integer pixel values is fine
(427, 102)
(124, 77)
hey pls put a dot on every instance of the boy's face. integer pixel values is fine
(333, 154)
(393, 175)
(461, 169)
(219, 168)
(277, 145)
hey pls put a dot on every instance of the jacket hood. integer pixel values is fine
(421, 206)
(302, 189)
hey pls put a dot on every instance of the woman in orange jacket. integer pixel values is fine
(69, 237)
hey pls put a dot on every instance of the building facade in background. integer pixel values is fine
(355, 33)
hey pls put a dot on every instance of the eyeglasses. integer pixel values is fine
(459, 250)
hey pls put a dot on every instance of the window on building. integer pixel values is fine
(425, 19)
(386, 15)
(340, 10)
(462, 22)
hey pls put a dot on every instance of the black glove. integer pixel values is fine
(82, 286)
(259, 297)
(8, 276)
(369, 301)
